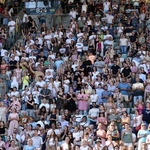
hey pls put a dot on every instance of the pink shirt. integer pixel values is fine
(134, 69)
(83, 101)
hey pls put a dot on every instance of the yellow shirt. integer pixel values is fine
(138, 85)
(25, 79)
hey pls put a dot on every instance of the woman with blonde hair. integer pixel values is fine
(52, 141)
(3, 112)
(29, 145)
(113, 132)
(84, 145)
(142, 134)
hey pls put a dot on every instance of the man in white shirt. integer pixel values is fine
(106, 6)
(42, 122)
(37, 140)
(24, 22)
(77, 136)
(45, 104)
(63, 122)
(11, 26)
(108, 41)
(73, 14)
(109, 18)
(79, 46)
(93, 114)
(2, 51)
(40, 83)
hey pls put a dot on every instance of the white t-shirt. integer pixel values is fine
(124, 42)
(16, 93)
(109, 18)
(37, 141)
(68, 41)
(84, 148)
(120, 29)
(24, 18)
(79, 35)
(93, 98)
(84, 8)
(142, 77)
(79, 46)
(78, 118)
(94, 112)
(52, 56)
(110, 146)
(62, 50)
(76, 135)
(11, 25)
(73, 14)
(3, 51)
(48, 37)
(40, 84)
(57, 131)
(107, 41)
(70, 1)
(138, 120)
(65, 146)
(42, 123)
(106, 6)
(57, 84)
(148, 138)
(45, 105)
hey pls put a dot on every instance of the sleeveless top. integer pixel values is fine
(127, 138)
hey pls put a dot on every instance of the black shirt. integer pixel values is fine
(128, 30)
(132, 38)
(87, 67)
(146, 115)
(126, 71)
(30, 106)
(115, 69)
(13, 64)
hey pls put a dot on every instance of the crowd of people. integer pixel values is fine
(84, 87)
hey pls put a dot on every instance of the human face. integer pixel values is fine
(30, 142)
(67, 139)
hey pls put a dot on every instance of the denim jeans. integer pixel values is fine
(136, 98)
(83, 112)
(12, 36)
(93, 123)
(123, 49)
(30, 112)
(5, 21)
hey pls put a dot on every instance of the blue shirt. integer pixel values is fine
(58, 63)
(27, 147)
(107, 94)
(99, 93)
(123, 86)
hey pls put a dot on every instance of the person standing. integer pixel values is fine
(93, 114)
(24, 22)
(123, 44)
(29, 145)
(11, 26)
(2, 89)
(37, 140)
(106, 6)
(13, 119)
